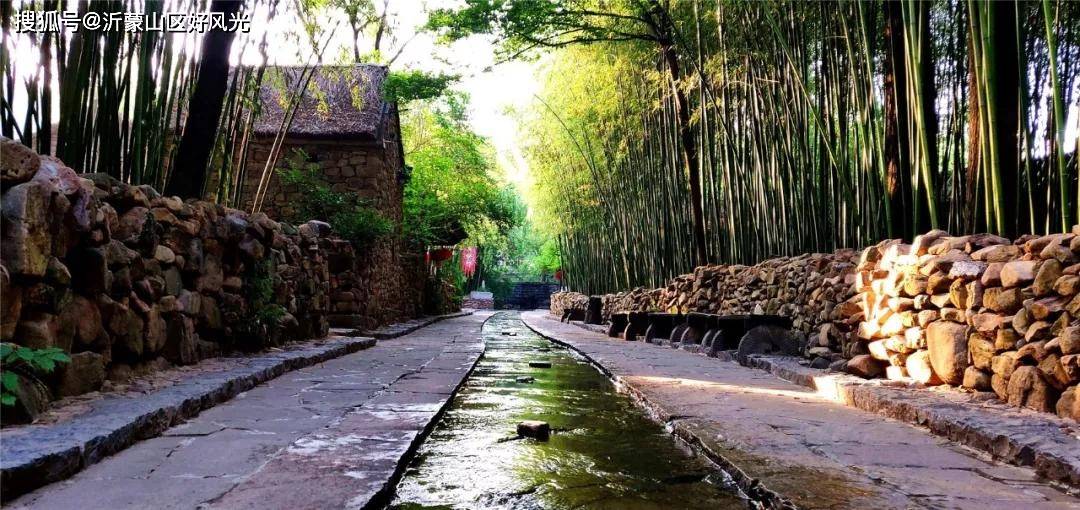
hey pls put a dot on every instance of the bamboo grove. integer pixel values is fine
(120, 102)
(816, 125)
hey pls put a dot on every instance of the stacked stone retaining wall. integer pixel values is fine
(979, 312)
(129, 281)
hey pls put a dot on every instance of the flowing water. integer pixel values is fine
(603, 452)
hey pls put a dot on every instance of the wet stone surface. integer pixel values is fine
(602, 451)
(330, 435)
(785, 442)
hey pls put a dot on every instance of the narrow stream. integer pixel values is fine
(603, 452)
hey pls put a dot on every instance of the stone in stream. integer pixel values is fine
(525, 379)
(540, 364)
(539, 430)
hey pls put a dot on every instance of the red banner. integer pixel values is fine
(468, 261)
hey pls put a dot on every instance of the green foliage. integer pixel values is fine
(522, 25)
(13, 357)
(405, 86)
(349, 215)
(452, 193)
(263, 313)
(549, 259)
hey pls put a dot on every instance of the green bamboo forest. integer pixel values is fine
(668, 135)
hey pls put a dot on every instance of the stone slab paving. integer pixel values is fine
(348, 423)
(91, 428)
(1019, 436)
(786, 444)
(403, 328)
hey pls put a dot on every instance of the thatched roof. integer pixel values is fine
(341, 102)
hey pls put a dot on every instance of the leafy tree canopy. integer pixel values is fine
(407, 86)
(452, 194)
(522, 25)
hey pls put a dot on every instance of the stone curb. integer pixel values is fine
(1018, 437)
(404, 328)
(751, 488)
(383, 497)
(47, 454)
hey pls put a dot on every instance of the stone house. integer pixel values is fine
(344, 124)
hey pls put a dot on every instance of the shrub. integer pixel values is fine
(26, 361)
(350, 216)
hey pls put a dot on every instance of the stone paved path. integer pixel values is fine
(815, 452)
(327, 436)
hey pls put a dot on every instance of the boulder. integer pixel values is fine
(991, 277)
(1046, 277)
(947, 345)
(1046, 308)
(865, 366)
(1067, 285)
(18, 163)
(976, 379)
(982, 351)
(26, 245)
(1027, 388)
(1069, 341)
(164, 255)
(126, 328)
(1068, 406)
(10, 305)
(84, 318)
(920, 370)
(85, 373)
(997, 253)
(32, 398)
(1018, 272)
(156, 331)
(40, 330)
(1007, 301)
(180, 340)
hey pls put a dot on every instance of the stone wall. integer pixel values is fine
(375, 286)
(360, 167)
(129, 281)
(382, 283)
(979, 312)
(560, 301)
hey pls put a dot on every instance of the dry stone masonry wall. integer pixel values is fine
(979, 312)
(129, 281)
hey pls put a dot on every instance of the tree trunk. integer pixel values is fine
(928, 89)
(1006, 108)
(897, 169)
(204, 110)
(688, 151)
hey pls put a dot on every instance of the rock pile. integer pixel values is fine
(639, 299)
(562, 301)
(978, 311)
(128, 280)
(805, 288)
